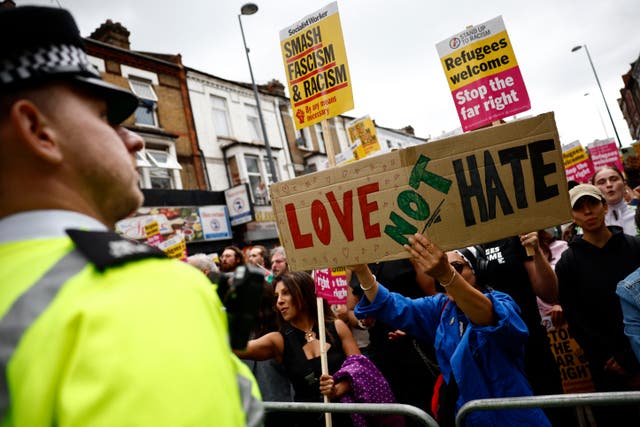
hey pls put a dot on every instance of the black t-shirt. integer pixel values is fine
(588, 276)
(506, 273)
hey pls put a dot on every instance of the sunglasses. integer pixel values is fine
(458, 265)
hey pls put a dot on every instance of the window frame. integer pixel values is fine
(224, 109)
(253, 122)
(263, 174)
(150, 98)
(150, 167)
(258, 200)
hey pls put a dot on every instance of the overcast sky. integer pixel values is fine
(395, 70)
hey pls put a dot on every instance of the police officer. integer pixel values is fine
(94, 330)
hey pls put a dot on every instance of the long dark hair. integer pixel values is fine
(303, 295)
(266, 321)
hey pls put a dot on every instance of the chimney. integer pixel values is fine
(408, 130)
(113, 33)
(275, 87)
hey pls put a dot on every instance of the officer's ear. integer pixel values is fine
(34, 130)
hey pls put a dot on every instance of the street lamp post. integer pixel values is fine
(250, 9)
(601, 92)
(606, 133)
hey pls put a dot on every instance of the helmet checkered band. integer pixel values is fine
(51, 61)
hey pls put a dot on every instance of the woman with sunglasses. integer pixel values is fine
(477, 333)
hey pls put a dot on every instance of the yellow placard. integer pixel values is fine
(478, 60)
(176, 247)
(315, 63)
(362, 134)
(574, 156)
(338, 271)
(152, 228)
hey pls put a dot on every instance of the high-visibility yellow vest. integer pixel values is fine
(127, 343)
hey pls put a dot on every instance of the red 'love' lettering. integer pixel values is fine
(343, 214)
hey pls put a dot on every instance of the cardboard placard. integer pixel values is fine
(460, 191)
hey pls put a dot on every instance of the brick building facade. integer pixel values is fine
(630, 99)
(171, 159)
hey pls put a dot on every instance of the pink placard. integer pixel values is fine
(605, 155)
(490, 99)
(331, 284)
(580, 172)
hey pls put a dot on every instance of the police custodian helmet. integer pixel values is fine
(42, 44)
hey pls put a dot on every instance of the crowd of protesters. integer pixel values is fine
(446, 328)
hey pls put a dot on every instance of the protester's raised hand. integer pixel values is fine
(530, 240)
(428, 256)
(358, 268)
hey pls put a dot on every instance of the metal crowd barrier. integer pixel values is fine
(353, 408)
(548, 401)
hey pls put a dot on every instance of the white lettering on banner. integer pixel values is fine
(323, 282)
(340, 293)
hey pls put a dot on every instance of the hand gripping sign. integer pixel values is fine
(331, 284)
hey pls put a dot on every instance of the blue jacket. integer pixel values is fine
(486, 361)
(629, 292)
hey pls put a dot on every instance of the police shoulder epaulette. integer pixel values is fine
(107, 249)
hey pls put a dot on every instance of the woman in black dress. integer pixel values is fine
(297, 347)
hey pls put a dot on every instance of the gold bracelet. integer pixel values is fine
(450, 281)
(370, 287)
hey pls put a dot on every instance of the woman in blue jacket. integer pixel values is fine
(477, 333)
